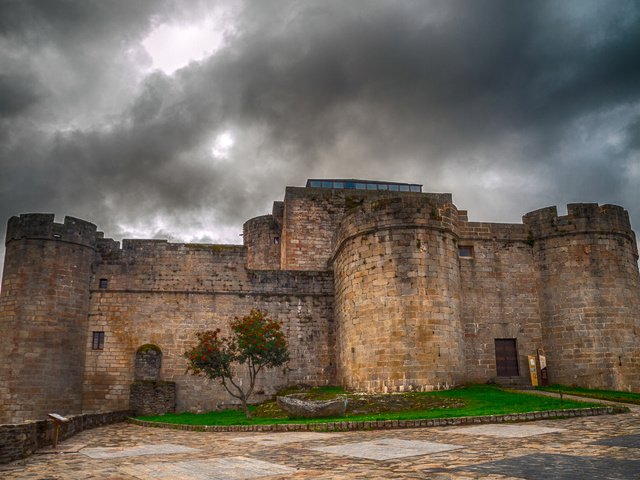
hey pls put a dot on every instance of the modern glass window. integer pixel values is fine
(363, 185)
(97, 342)
(465, 251)
(103, 283)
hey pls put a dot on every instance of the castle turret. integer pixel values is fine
(261, 236)
(44, 307)
(397, 302)
(589, 299)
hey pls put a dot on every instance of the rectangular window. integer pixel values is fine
(465, 251)
(98, 341)
(338, 184)
(315, 184)
(372, 186)
(404, 188)
(415, 188)
(361, 186)
(104, 283)
(393, 188)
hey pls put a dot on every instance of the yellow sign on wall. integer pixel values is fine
(533, 371)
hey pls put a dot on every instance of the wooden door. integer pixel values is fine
(506, 357)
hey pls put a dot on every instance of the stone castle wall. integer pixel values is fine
(309, 220)
(499, 296)
(163, 293)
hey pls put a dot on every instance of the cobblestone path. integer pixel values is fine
(604, 447)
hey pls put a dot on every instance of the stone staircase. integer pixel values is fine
(519, 383)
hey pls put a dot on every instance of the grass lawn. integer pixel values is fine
(471, 400)
(612, 395)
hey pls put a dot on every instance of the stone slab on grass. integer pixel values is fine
(506, 431)
(116, 452)
(387, 449)
(558, 467)
(283, 438)
(229, 468)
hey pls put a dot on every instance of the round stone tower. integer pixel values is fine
(44, 308)
(397, 303)
(589, 300)
(261, 236)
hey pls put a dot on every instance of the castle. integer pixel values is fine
(380, 287)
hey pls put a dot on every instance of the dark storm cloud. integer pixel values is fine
(510, 105)
(76, 22)
(633, 134)
(17, 93)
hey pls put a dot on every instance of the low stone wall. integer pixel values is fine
(390, 424)
(152, 398)
(21, 440)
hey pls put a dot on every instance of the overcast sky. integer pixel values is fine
(182, 119)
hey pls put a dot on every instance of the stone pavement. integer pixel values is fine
(602, 447)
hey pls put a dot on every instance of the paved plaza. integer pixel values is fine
(603, 447)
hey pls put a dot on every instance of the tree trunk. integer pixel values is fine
(246, 408)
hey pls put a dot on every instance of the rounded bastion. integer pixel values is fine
(397, 287)
(261, 236)
(589, 294)
(45, 305)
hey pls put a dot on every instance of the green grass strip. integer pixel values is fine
(478, 400)
(611, 395)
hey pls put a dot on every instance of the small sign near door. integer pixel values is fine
(533, 371)
(542, 361)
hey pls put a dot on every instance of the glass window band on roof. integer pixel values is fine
(364, 185)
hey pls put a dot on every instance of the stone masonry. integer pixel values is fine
(377, 291)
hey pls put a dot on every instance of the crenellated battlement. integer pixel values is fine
(149, 250)
(107, 247)
(42, 226)
(580, 218)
